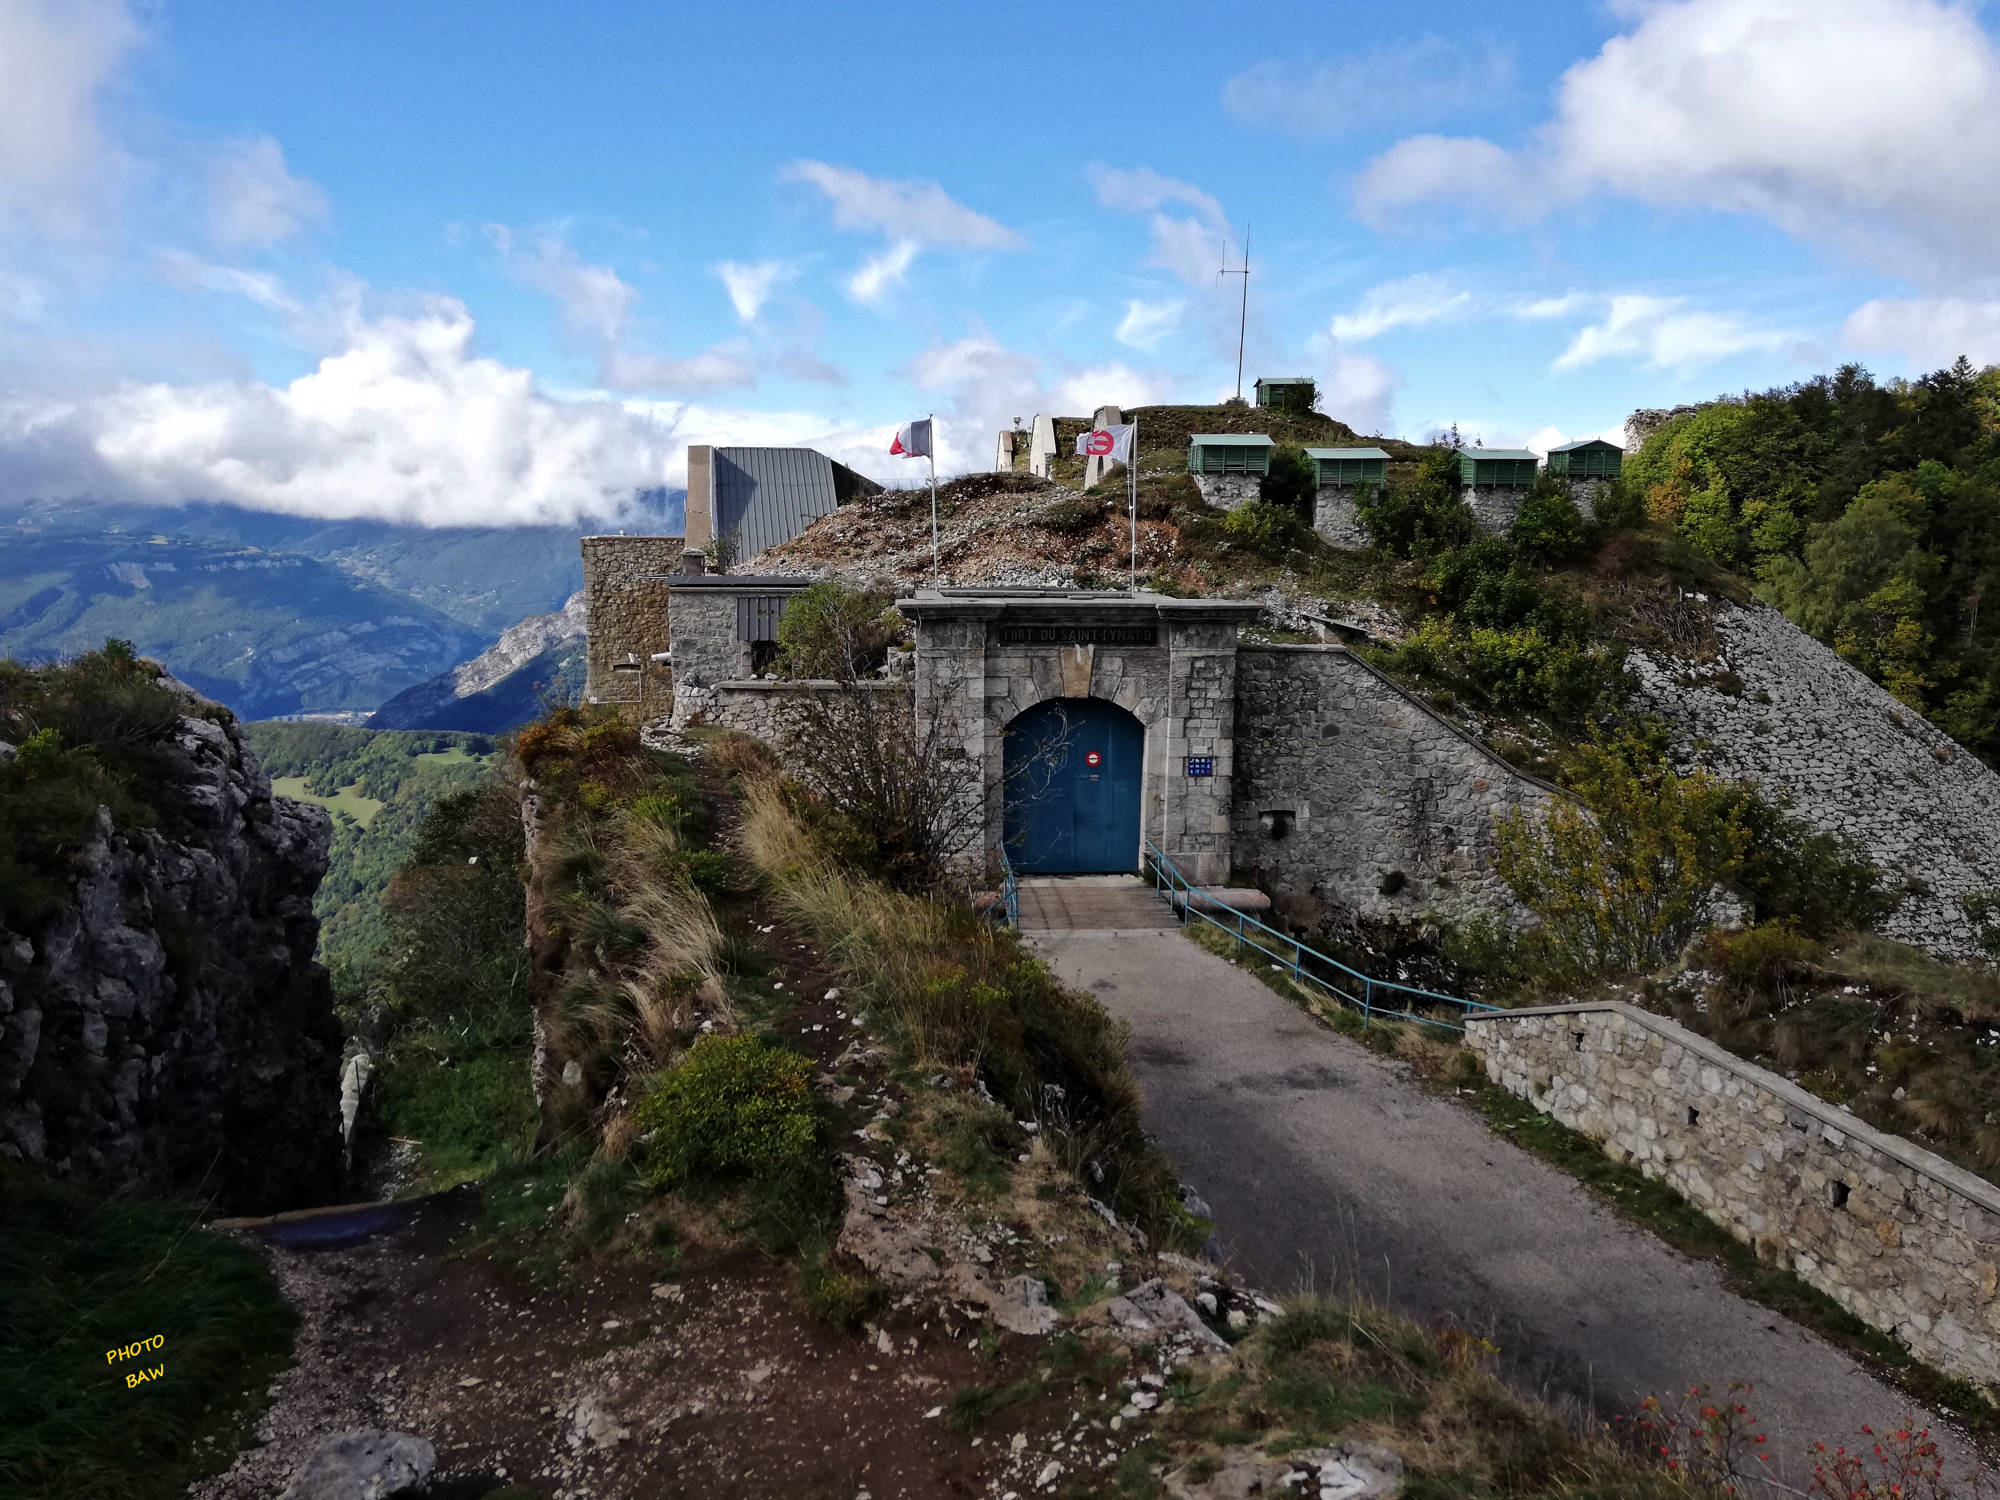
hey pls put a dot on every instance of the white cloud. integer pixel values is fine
(1423, 77)
(1930, 332)
(55, 58)
(254, 200)
(1666, 335)
(872, 282)
(403, 422)
(597, 305)
(1146, 323)
(1408, 303)
(1192, 248)
(750, 285)
(920, 212)
(1356, 388)
(1868, 124)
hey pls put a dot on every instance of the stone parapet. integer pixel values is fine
(1901, 1238)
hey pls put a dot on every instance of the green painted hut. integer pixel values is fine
(1592, 458)
(1497, 468)
(1349, 466)
(1286, 392)
(1229, 453)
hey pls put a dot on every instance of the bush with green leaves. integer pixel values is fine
(739, 1112)
(831, 631)
(1292, 484)
(1518, 670)
(1548, 529)
(1419, 517)
(1269, 530)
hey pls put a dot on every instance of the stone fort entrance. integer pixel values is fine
(1072, 769)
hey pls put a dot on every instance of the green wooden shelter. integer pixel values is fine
(1592, 458)
(1349, 466)
(1229, 453)
(1273, 390)
(1497, 468)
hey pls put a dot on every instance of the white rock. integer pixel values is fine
(1051, 1472)
(362, 1466)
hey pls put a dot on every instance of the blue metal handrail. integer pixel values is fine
(1350, 986)
(1010, 891)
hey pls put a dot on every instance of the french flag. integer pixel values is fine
(913, 440)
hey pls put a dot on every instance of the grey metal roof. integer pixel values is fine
(1217, 439)
(1586, 443)
(1515, 453)
(764, 496)
(1347, 453)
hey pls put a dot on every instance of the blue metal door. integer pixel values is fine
(1074, 772)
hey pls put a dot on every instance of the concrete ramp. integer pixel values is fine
(1092, 903)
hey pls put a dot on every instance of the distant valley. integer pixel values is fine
(279, 616)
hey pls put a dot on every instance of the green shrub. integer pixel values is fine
(1292, 484)
(1761, 956)
(735, 1109)
(1420, 517)
(833, 631)
(1547, 528)
(1268, 529)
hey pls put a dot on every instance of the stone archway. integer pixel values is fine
(1073, 775)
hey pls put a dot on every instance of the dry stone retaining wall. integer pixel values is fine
(1781, 710)
(1899, 1237)
(1335, 518)
(1345, 782)
(1227, 491)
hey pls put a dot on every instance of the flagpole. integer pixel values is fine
(931, 453)
(1132, 498)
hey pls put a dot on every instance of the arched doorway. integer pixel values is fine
(1074, 770)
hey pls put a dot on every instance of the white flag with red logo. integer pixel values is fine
(1107, 442)
(913, 440)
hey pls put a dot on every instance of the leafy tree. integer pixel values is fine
(1291, 483)
(834, 632)
(1423, 516)
(1548, 528)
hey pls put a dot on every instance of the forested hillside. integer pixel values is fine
(378, 784)
(1869, 513)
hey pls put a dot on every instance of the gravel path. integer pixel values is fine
(1326, 1165)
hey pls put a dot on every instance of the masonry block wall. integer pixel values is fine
(1778, 708)
(1899, 1237)
(1494, 507)
(1335, 518)
(1227, 491)
(625, 599)
(1349, 789)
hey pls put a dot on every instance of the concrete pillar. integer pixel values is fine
(701, 496)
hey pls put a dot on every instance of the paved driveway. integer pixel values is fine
(1327, 1166)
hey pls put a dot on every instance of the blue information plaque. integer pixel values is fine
(1201, 765)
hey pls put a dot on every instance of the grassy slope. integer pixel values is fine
(81, 1274)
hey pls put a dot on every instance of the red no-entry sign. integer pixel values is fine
(1093, 759)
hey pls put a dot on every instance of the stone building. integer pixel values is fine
(1495, 481)
(626, 614)
(1100, 722)
(1340, 477)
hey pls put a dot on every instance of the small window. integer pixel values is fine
(763, 656)
(1840, 1191)
(1576, 1041)
(1694, 1117)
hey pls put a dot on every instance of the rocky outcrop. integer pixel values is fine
(168, 1026)
(1777, 708)
(519, 645)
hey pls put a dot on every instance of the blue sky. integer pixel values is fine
(478, 262)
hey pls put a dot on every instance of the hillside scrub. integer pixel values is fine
(1622, 879)
(1868, 513)
(95, 731)
(627, 952)
(82, 1273)
(950, 992)
(404, 771)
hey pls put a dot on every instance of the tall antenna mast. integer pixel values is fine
(1243, 317)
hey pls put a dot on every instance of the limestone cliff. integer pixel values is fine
(167, 1025)
(536, 641)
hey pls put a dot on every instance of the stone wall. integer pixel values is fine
(625, 602)
(1345, 783)
(1780, 709)
(1227, 491)
(1494, 506)
(1902, 1239)
(1335, 518)
(758, 706)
